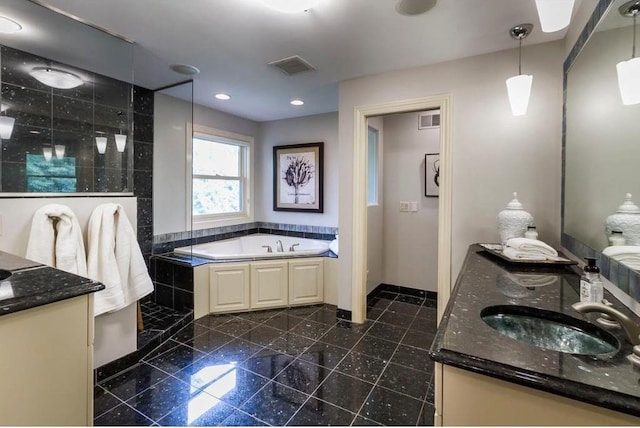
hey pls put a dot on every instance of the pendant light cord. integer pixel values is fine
(633, 51)
(520, 56)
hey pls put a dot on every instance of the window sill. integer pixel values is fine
(199, 224)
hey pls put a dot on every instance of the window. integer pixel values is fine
(221, 184)
(372, 166)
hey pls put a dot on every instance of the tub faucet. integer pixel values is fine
(631, 329)
(293, 247)
(279, 247)
(268, 247)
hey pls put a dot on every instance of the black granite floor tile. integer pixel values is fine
(428, 312)
(375, 347)
(423, 324)
(324, 354)
(267, 363)
(319, 413)
(359, 421)
(405, 380)
(260, 316)
(241, 419)
(390, 408)
(414, 300)
(397, 319)
(236, 326)
(302, 376)
(212, 321)
(190, 331)
(176, 359)
(208, 341)
(386, 295)
(275, 403)
(291, 344)
(324, 316)
(379, 303)
(201, 410)
(362, 366)
(160, 399)
(283, 321)
(430, 303)
(262, 335)
(426, 415)
(418, 339)
(374, 313)
(341, 337)
(312, 329)
(122, 415)
(403, 308)
(133, 381)
(344, 391)
(239, 387)
(303, 311)
(355, 327)
(164, 347)
(413, 357)
(103, 401)
(237, 350)
(205, 371)
(430, 392)
(387, 331)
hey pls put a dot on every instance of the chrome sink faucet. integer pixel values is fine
(631, 329)
(279, 247)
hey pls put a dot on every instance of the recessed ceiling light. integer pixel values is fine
(223, 97)
(56, 78)
(187, 69)
(8, 25)
(414, 7)
(297, 102)
(290, 6)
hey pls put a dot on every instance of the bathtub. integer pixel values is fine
(253, 246)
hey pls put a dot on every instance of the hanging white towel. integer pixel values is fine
(56, 239)
(115, 259)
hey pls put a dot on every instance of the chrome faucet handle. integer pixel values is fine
(292, 247)
(631, 329)
(607, 320)
(268, 247)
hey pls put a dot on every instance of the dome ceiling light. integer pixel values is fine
(55, 78)
(9, 26)
(186, 69)
(297, 102)
(223, 97)
(414, 7)
(290, 6)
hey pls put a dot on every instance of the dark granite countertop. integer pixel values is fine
(463, 340)
(32, 284)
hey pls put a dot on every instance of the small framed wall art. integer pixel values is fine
(432, 175)
(298, 177)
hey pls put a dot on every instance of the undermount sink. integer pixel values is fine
(4, 274)
(549, 330)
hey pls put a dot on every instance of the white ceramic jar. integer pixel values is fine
(626, 220)
(513, 221)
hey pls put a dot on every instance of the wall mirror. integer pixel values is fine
(66, 114)
(601, 150)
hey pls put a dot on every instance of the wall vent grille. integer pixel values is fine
(292, 65)
(429, 120)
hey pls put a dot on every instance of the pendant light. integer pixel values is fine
(121, 139)
(59, 148)
(55, 78)
(101, 144)
(629, 71)
(519, 87)
(6, 127)
(47, 152)
(554, 14)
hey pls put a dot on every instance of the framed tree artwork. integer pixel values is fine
(298, 177)
(432, 175)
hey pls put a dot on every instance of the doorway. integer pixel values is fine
(359, 207)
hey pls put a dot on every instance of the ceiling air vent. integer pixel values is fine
(292, 65)
(429, 120)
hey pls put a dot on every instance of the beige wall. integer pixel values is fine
(494, 153)
(308, 129)
(410, 238)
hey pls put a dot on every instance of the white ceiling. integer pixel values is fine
(231, 42)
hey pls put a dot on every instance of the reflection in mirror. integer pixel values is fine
(173, 118)
(66, 119)
(602, 153)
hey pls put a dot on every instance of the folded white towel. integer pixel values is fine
(115, 259)
(512, 253)
(532, 246)
(56, 239)
(626, 254)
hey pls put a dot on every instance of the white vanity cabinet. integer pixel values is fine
(229, 287)
(269, 282)
(306, 281)
(236, 287)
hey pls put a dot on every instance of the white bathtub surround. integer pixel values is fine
(56, 239)
(257, 246)
(115, 259)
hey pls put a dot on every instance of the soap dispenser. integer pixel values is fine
(591, 289)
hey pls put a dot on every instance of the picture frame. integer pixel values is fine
(298, 175)
(432, 175)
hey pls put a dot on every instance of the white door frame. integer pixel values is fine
(359, 209)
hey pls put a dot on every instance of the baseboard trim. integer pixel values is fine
(343, 314)
(430, 295)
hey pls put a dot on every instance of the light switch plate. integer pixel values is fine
(404, 206)
(414, 207)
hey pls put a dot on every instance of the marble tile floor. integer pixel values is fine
(296, 366)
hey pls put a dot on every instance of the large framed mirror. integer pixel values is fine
(601, 153)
